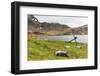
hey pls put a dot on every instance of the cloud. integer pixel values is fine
(72, 21)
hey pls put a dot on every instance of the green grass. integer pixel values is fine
(39, 49)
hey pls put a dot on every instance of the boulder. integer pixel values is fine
(67, 46)
(61, 53)
(78, 46)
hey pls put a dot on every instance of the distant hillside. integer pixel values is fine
(55, 28)
(82, 30)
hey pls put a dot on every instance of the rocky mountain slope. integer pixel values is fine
(55, 28)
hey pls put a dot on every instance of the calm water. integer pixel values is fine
(80, 38)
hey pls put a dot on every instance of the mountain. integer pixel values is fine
(54, 28)
(82, 30)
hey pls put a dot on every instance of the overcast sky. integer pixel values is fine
(72, 21)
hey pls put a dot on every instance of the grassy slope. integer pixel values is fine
(45, 49)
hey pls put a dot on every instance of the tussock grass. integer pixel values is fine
(39, 49)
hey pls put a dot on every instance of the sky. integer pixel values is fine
(71, 21)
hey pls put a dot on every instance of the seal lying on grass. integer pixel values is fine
(61, 53)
